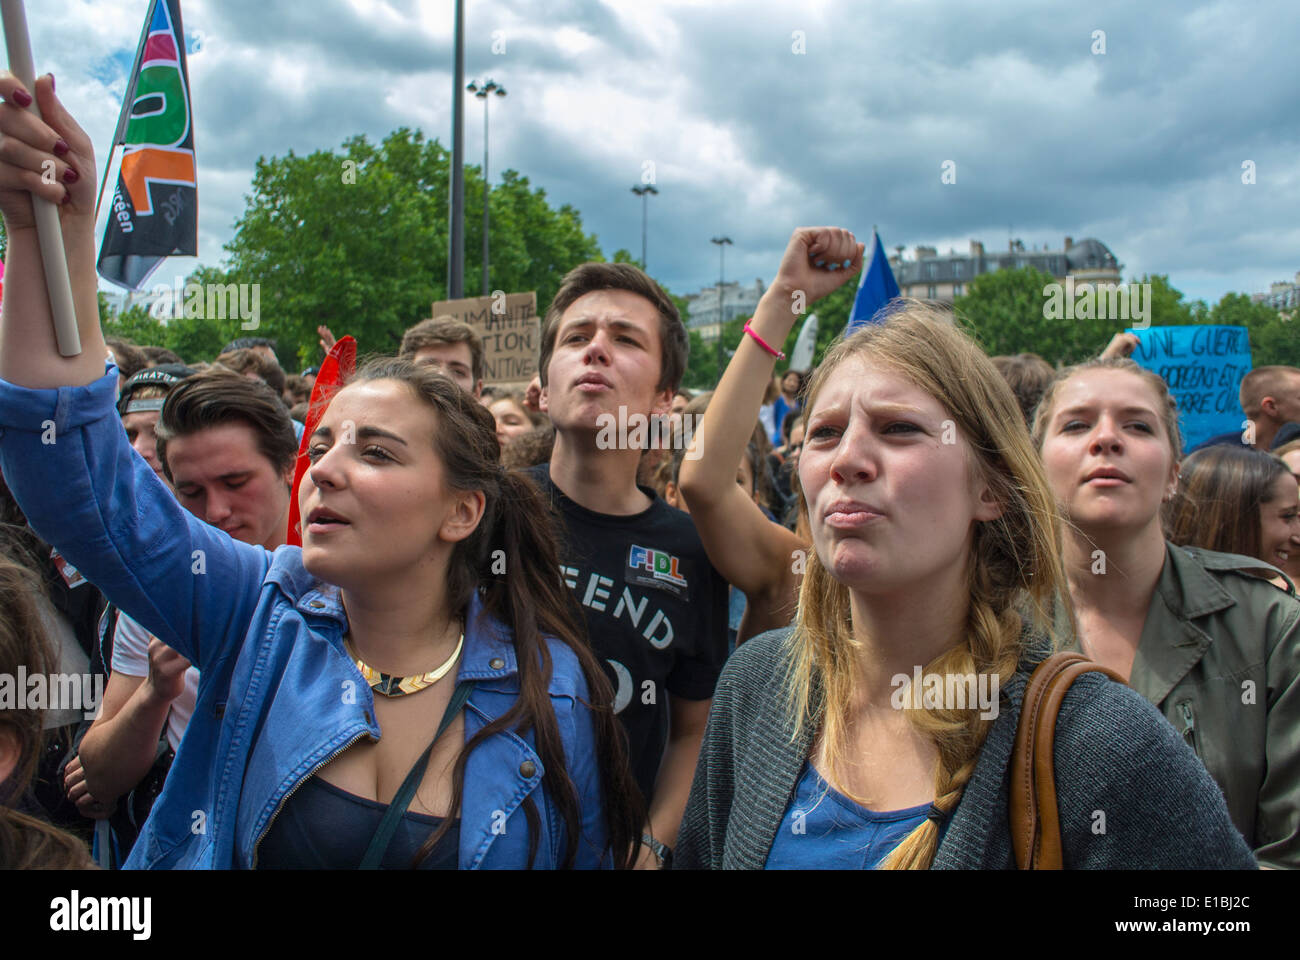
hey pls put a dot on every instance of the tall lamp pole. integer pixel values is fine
(723, 243)
(642, 191)
(456, 233)
(481, 90)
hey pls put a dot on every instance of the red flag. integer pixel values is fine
(340, 363)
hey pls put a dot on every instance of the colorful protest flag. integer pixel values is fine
(875, 289)
(154, 213)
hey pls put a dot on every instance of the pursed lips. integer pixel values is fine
(1107, 473)
(593, 381)
(851, 513)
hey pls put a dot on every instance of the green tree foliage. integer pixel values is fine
(1006, 312)
(702, 364)
(196, 335)
(357, 240)
(1274, 336)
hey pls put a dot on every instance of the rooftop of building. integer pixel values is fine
(929, 266)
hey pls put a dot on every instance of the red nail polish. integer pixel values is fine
(61, 149)
(70, 176)
(22, 98)
(67, 195)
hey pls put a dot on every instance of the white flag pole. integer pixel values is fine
(801, 358)
(49, 230)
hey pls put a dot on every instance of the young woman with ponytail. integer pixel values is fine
(936, 551)
(426, 595)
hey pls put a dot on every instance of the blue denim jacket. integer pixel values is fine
(278, 695)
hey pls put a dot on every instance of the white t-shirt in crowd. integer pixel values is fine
(131, 658)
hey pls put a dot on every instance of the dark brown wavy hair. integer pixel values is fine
(1220, 492)
(25, 842)
(219, 397)
(534, 602)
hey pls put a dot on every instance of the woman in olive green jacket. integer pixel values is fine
(1214, 647)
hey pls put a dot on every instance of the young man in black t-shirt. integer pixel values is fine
(613, 353)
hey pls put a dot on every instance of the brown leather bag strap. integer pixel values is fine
(1035, 816)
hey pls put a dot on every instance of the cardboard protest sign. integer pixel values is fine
(1203, 365)
(511, 332)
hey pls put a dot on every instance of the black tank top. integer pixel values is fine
(324, 828)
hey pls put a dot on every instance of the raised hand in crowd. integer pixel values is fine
(755, 555)
(1121, 345)
(28, 354)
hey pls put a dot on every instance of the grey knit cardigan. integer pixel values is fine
(1115, 756)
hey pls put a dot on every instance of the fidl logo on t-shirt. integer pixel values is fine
(663, 569)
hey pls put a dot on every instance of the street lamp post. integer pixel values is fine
(481, 90)
(456, 231)
(723, 243)
(642, 191)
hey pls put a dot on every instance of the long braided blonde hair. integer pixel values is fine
(1015, 568)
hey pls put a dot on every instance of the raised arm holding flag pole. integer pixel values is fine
(30, 354)
(44, 212)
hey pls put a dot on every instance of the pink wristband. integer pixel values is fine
(763, 343)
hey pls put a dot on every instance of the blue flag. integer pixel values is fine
(875, 289)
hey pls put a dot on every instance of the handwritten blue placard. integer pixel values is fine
(1203, 365)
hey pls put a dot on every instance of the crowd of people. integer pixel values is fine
(505, 642)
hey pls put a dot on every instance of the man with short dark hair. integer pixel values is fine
(226, 444)
(613, 345)
(449, 345)
(1270, 398)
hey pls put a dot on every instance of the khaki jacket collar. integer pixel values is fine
(1172, 644)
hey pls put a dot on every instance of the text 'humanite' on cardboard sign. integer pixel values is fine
(510, 329)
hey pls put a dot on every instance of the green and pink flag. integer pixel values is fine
(154, 213)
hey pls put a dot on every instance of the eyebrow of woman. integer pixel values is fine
(881, 409)
(363, 433)
(1089, 408)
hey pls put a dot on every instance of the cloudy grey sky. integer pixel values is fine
(1141, 146)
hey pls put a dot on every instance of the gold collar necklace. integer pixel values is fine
(394, 686)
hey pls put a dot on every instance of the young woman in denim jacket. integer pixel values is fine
(413, 537)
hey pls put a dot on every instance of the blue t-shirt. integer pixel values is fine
(824, 830)
(779, 409)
